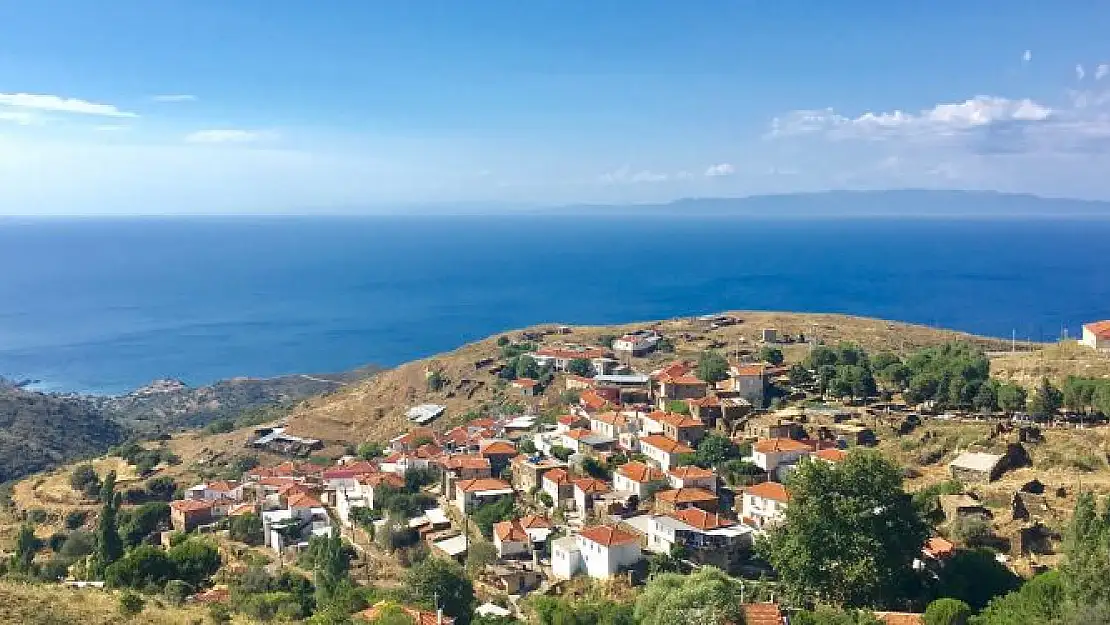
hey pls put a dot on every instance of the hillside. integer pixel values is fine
(375, 409)
(35, 604)
(38, 431)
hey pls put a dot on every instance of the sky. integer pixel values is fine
(281, 106)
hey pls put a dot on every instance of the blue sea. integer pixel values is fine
(106, 305)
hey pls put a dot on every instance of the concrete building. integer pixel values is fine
(1096, 335)
(599, 551)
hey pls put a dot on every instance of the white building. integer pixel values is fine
(471, 493)
(518, 537)
(639, 478)
(663, 451)
(692, 476)
(304, 517)
(770, 454)
(599, 551)
(764, 504)
(1097, 335)
(213, 491)
(636, 343)
(696, 529)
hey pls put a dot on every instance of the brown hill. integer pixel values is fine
(375, 409)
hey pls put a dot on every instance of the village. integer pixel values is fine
(682, 465)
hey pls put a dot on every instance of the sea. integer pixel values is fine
(107, 305)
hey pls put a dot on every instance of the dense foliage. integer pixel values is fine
(437, 579)
(712, 367)
(705, 597)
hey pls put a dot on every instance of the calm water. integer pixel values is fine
(107, 305)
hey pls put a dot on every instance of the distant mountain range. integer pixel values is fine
(898, 203)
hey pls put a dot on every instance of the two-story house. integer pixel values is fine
(609, 424)
(705, 537)
(675, 499)
(558, 485)
(639, 478)
(764, 504)
(600, 551)
(771, 454)
(692, 476)
(472, 493)
(680, 427)
(587, 490)
(663, 451)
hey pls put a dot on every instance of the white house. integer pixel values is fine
(663, 451)
(518, 537)
(586, 491)
(599, 551)
(558, 485)
(1096, 335)
(771, 453)
(583, 441)
(764, 504)
(691, 476)
(696, 529)
(639, 478)
(609, 424)
(636, 343)
(213, 491)
(471, 493)
(304, 517)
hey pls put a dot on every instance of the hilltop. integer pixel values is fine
(374, 409)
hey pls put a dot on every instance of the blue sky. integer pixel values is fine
(206, 106)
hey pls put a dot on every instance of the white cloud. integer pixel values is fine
(1080, 73)
(625, 175)
(23, 118)
(1102, 71)
(174, 97)
(1027, 56)
(229, 135)
(59, 104)
(111, 128)
(977, 112)
(720, 169)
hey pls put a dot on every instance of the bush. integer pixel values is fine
(83, 478)
(130, 603)
(560, 452)
(247, 529)
(947, 612)
(220, 426)
(54, 569)
(972, 531)
(219, 613)
(176, 591)
(195, 560)
(37, 515)
(370, 450)
(78, 544)
(57, 540)
(142, 567)
(486, 515)
(75, 519)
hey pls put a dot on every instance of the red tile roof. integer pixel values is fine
(683, 380)
(673, 370)
(608, 535)
(591, 485)
(419, 617)
(222, 486)
(570, 419)
(685, 495)
(668, 445)
(771, 445)
(611, 418)
(481, 422)
(303, 500)
(557, 476)
(498, 448)
(640, 472)
(483, 483)
(762, 614)
(705, 521)
(769, 490)
(241, 509)
(1101, 329)
(691, 472)
(578, 433)
(467, 461)
(525, 383)
(751, 370)
(572, 353)
(510, 531)
(374, 480)
(677, 420)
(590, 400)
(937, 547)
(362, 466)
(535, 521)
(831, 454)
(900, 618)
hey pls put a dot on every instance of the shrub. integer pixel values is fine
(947, 612)
(56, 541)
(560, 452)
(176, 591)
(54, 569)
(247, 529)
(219, 426)
(130, 603)
(36, 515)
(83, 477)
(78, 544)
(75, 519)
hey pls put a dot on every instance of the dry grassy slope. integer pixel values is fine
(1056, 361)
(375, 409)
(22, 604)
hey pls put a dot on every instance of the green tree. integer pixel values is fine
(247, 528)
(799, 375)
(986, 398)
(26, 546)
(137, 523)
(85, 480)
(580, 366)
(526, 367)
(109, 546)
(1011, 398)
(771, 355)
(330, 565)
(705, 597)
(478, 555)
(485, 515)
(1087, 553)
(1047, 400)
(131, 603)
(715, 450)
(195, 559)
(437, 579)
(75, 519)
(821, 357)
(78, 544)
(370, 450)
(850, 535)
(176, 591)
(142, 567)
(560, 452)
(975, 577)
(947, 612)
(1040, 601)
(1079, 393)
(435, 381)
(712, 367)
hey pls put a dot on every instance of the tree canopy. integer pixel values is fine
(705, 597)
(850, 533)
(712, 367)
(437, 579)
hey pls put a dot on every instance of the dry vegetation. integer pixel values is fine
(1055, 361)
(25, 604)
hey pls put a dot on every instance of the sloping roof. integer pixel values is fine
(831, 455)
(750, 370)
(675, 369)
(692, 472)
(762, 614)
(590, 400)
(483, 483)
(535, 521)
(557, 476)
(769, 490)
(510, 531)
(683, 380)
(419, 617)
(591, 485)
(570, 419)
(677, 420)
(608, 535)
(222, 486)
(303, 500)
(640, 472)
(499, 448)
(1101, 329)
(375, 480)
(525, 383)
(685, 495)
(976, 461)
(938, 547)
(611, 418)
(668, 445)
(696, 517)
(900, 618)
(771, 445)
(241, 509)
(467, 461)
(572, 352)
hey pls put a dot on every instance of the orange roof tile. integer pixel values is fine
(900, 618)
(748, 370)
(673, 370)
(467, 461)
(677, 420)
(691, 472)
(222, 486)
(611, 418)
(572, 353)
(938, 547)
(771, 445)
(375, 480)
(525, 383)
(419, 617)
(831, 454)
(498, 448)
(578, 433)
(535, 521)
(557, 476)
(274, 480)
(685, 495)
(607, 535)
(570, 419)
(769, 490)
(640, 472)
(590, 400)
(303, 500)
(1101, 329)
(705, 521)
(668, 445)
(684, 380)
(590, 485)
(483, 483)
(762, 614)
(510, 531)
(241, 509)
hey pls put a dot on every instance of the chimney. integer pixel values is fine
(439, 616)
